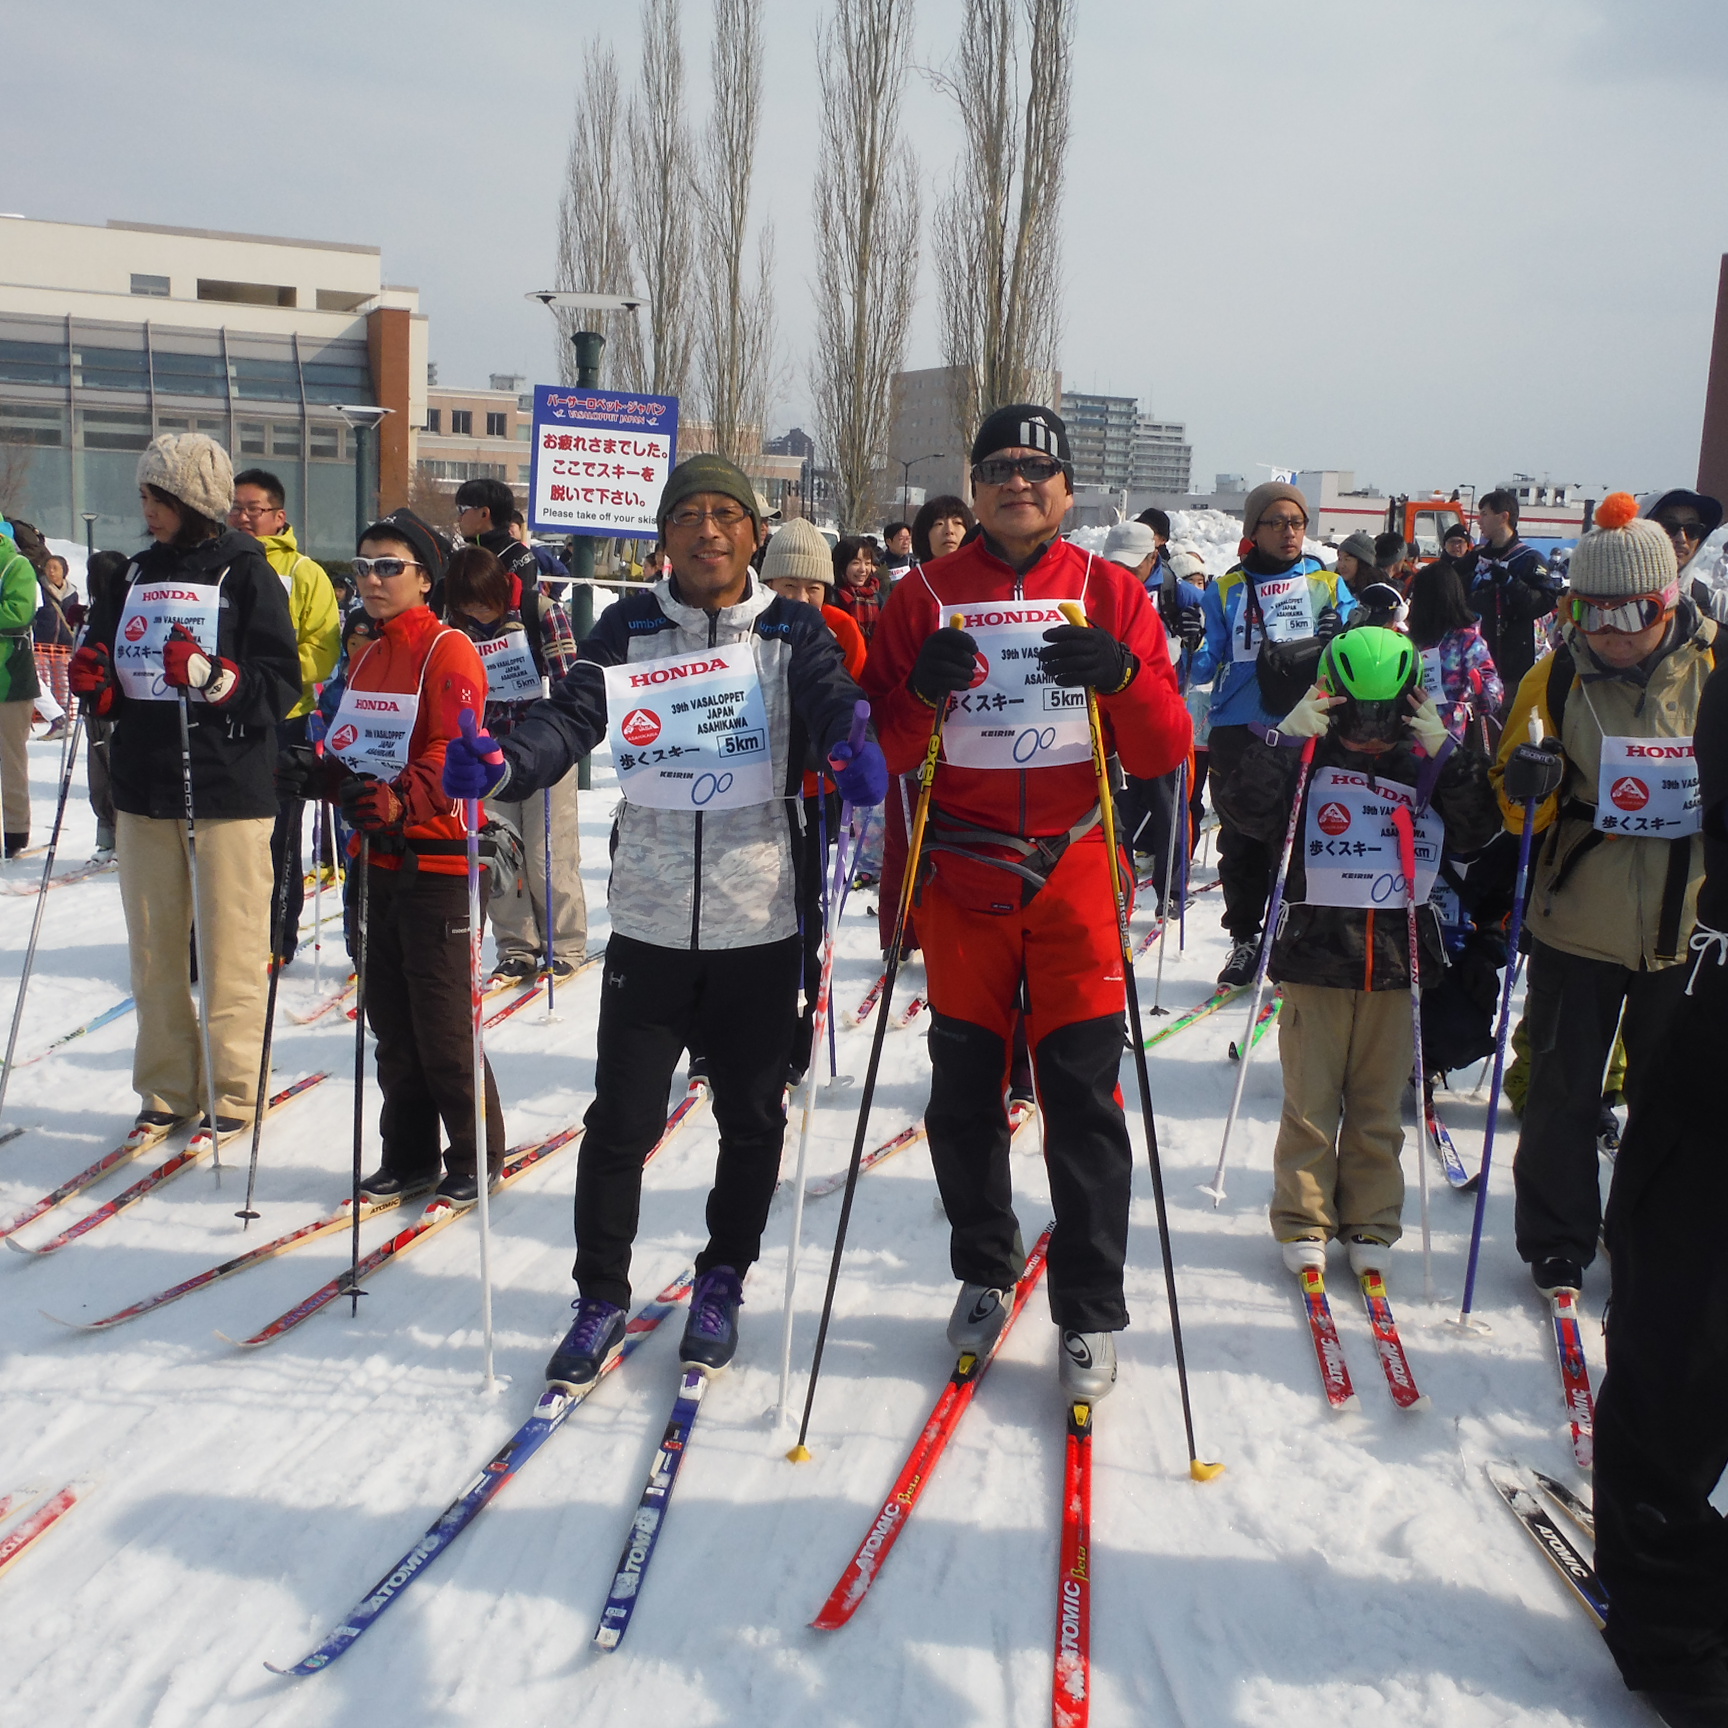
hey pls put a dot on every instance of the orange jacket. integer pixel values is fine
(413, 651)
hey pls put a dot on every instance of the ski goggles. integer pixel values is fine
(1373, 722)
(1625, 616)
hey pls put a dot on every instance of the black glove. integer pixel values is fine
(1533, 771)
(1191, 627)
(947, 662)
(1328, 624)
(299, 772)
(1079, 656)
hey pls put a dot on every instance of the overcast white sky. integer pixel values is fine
(1433, 241)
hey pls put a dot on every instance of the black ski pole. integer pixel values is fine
(1200, 1471)
(800, 1453)
(278, 918)
(360, 911)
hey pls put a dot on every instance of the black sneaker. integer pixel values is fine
(518, 969)
(1243, 963)
(711, 1333)
(226, 1129)
(1553, 1276)
(563, 971)
(459, 1189)
(1607, 1128)
(594, 1338)
(385, 1185)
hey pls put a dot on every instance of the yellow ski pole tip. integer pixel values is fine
(1071, 611)
(801, 1455)
(956, 621)
(1204, 1472)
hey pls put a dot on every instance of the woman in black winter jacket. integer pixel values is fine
(199, 612)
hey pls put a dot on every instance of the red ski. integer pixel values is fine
(187, 1156)
(1575, 1378)
(1071, 1697)
(44, 1518)
(1328, 1352)
(1389, 1345)
(913, 1009)
(868, 1006)
(914, 1477)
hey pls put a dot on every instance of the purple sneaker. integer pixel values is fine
(594, 1338)
(711, 1333)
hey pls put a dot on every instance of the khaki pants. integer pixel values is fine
(156, 892)
(519, 919)
(15, 720)
(1347, 1056)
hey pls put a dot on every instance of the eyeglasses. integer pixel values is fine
(385, 567)
(256, 510)
(1693, 530)
(999, 470)
(728, 516)
(1626, 617)
(1284, 524)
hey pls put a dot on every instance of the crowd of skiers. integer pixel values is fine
(1374, 739)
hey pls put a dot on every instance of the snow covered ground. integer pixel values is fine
(1345, 1571)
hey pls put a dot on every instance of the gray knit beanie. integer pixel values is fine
(1263, 497)
(1624, 555)
(1360, 546)
(798, 552)
(193, 468)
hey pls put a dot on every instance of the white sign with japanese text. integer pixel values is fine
(600, 461)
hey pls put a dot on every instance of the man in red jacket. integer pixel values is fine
(1015, 909)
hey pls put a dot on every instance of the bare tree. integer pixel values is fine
(593, 242)
(999, 270)
(16, 460)
(738, 316)
(662, 200)
(866, 206)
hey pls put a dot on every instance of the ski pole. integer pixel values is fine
(1514, 927)
(362, 907)
(820, 1018)
(318, 900)
(278, 919)
(800, 1453)
(546, 909)
(482, 1162)
(1405, 823)
(198, 952)
(1179, 812)
(1187, 860)
(1201, 1472)
(41, 903)
(1216, 1189)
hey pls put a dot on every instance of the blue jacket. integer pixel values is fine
(1187, 594)
(1236, 692)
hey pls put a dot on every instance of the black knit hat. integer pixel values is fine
(430, 547)
(1023, 426)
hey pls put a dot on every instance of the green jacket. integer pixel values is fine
(18, 600)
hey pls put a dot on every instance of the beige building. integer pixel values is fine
(111, 335)
(923, 430)
(478, 435)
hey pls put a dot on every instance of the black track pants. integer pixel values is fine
(1246, 866)
(739, 1007)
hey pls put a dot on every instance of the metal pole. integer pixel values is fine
(589, 345)
(198, 950)
(482, 1163)
(362, 510)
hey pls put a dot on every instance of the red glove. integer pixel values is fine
(91, 675)
(370, 804)
(186, 666)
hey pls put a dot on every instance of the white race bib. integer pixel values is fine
(147, 619)
(1648, 787)
(691, 732)
(509, 666)
(1433, 678)
(1351, 845)
(1286, 611)
(372, 729)
(1013, 716)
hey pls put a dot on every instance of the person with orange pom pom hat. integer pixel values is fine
(1510, 588)
(1614, 888)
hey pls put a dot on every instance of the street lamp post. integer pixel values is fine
(364, 421)
(906, 477)
(589, 346)
(89, 533)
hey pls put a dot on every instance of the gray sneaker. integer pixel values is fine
(1088, 1368)
(980, 1313)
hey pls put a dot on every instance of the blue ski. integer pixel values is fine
(650, 1512)
(549, 1414)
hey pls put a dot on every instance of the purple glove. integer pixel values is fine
(473, 763)
(861, 774)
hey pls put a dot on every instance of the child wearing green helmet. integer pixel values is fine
(1340, 952)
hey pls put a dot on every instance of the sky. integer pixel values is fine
(1431, 241)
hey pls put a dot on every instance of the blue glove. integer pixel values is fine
(861, 775)
(473, 763)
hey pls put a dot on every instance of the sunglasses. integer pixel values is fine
(1674, 530)
(1627, 617)
(999, 470)
(385, 567)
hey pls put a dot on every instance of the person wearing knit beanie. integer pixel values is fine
(709, 472)
(192, 469)
(1625, 556)
(1356, 560)
(798, 553)
(1264, 496)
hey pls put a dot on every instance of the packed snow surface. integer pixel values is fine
(1344, 1571)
